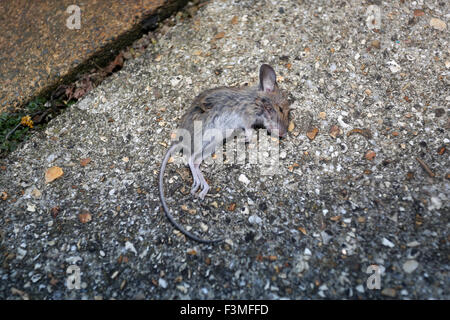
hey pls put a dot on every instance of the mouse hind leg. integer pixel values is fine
(200, 182)
(204, 184)
(208, 148)
(196, 180)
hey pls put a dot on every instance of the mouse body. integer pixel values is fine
(215, 115)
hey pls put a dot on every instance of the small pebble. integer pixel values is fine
(175, 81)
(36, 193)
(301, 266)
(291, 126)
(31, 207)
(410, 265)
(435, 204)
(375, 44)
(21, 253)
(130, 247)
(312, 133)
(254, 219)
(229, 242)
(204, 227)
(332, 68)
(325, 237)
(389, 292)
(438, 24)
(245, 210)
(244, 179)
(413, 244)
(35, 278)
(393, 66)
(162, 283)
(214, 204)
(182, 289)
(387, 243)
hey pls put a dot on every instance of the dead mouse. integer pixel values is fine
(224, 110)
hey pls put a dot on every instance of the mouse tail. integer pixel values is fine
(164, 204)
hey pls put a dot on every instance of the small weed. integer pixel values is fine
(16, 127)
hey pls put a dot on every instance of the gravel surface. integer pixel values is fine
(363, 175)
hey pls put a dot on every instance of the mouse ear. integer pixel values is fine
(267, 78)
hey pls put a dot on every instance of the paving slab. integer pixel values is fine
(358, 208)
(46, 43)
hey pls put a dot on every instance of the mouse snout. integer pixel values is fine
(282, 130)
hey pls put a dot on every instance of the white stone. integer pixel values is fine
(73, 259)
(130, 247)
(410, 265)
(387, 243)
(436, 203)
(162, 283)
(254, 219)
(182, 289)
(438, 24)
(244, 179)
(31, 207)
(35, 278)
(394, 66)
(325, 237)
(204, 227)
(333, 67)
(21, 253)
(413, 244)
(175, 81)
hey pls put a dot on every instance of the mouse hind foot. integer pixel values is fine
(205, 189)
(203, 183)
(196, 180)
(199, 181)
